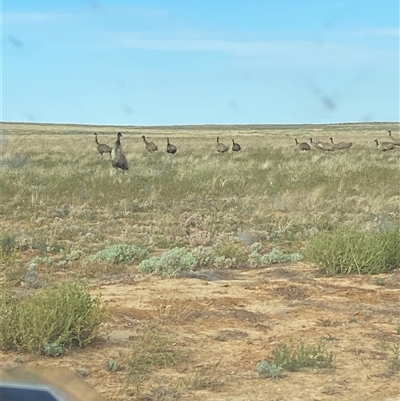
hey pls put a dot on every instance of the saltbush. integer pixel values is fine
(258, 260)
(265, 369)
(347, 250)
(120, 253)
(170, 263)
(50, 319)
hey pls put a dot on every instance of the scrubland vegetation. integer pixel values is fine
(60, 195)
(67, 215)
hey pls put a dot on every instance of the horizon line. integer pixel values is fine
(194, 125)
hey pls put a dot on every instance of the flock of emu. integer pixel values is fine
(331, 146)
(118, 159)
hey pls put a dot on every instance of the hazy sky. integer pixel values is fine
(148, 62)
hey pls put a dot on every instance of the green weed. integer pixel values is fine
(265, 369)
(347, 250)
(111, 365)
(50, 319)
(295, 358)
(392, 356)
(8, 249)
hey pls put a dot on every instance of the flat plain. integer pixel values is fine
(62, 202)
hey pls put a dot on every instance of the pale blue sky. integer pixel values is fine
(148, 62)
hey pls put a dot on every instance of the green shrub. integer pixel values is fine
(111, 365)
(296, 358)
(221, 262)
(258, 260)
(272, 371)
(205, 256)
(346, 251)
(7, 244)
(7, 249)
(53, 349)
(50, 319)
(392, 356)
(230, 250)
(120, 253)
(170, 263)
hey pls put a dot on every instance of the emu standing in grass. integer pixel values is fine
(118, 159)
(235, 146)
(302, 145)
(171, 148)
(150, 146)
(341, 145)
(102, 147)
(384, 146)
(221, 148)
(395, 141)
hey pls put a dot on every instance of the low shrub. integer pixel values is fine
(7, 249)
(258, 260)
(120, 253)
(205, 256)
(346, 250)
(392, 356)
(232, 251)
(222, 263)
(170, 263)
(50, 319)
(265, 369)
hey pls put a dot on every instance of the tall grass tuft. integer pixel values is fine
(347, 250)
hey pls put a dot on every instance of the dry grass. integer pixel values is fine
(58, 194)
(174, 311)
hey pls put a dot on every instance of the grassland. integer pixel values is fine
(271, 191)
(61, 203)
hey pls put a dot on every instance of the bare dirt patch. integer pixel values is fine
(224, 327)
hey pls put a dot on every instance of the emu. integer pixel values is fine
(150, 146)
(118, 159)
(102, 147)
(221, 148)
(302, 145)
(171, 148)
